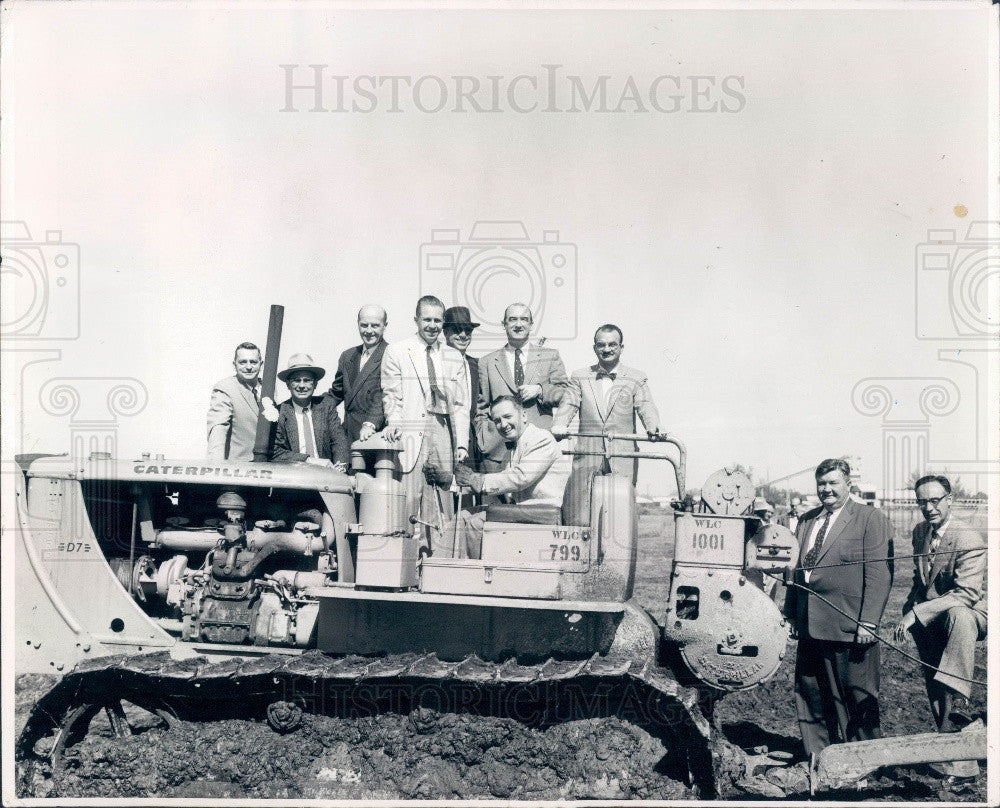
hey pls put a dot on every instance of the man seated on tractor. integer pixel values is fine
(536, 474)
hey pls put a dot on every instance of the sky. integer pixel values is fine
(751, 202)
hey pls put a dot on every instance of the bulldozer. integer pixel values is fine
(194, 589)
(197, 590)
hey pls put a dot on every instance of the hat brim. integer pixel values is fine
(462, 325)
(284, 374)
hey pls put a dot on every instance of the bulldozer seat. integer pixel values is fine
(524, 513)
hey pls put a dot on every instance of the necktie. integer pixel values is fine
(518, 369)
(307, 428)
(935, 543)
(436, 393)
(813, 555)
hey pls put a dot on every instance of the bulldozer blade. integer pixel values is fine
(842, 765)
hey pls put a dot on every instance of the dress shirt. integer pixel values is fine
(815, 532)
(468, 380)
(441, 408)
(300, 416)
(365, 356)
(254, 388)
(604, 384)
(508, 352)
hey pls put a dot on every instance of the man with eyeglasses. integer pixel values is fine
(458, 328)
(945, 612)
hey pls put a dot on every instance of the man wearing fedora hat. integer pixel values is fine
(458, 328)
(308, 427)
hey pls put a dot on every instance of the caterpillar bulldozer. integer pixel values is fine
(192, 590)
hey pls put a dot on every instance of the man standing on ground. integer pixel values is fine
(535, 375)
(946, 609)
(358, 383)
(424, 388)
(235, 407)
(836, 606)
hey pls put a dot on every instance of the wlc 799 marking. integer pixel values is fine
(565, 552)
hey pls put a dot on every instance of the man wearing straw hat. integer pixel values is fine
(308, 428)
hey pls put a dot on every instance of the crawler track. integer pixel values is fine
(540, 695)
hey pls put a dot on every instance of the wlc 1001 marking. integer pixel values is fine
(708, 541)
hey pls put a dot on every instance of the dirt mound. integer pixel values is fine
(423, 755)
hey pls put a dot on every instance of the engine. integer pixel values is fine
(241, 593)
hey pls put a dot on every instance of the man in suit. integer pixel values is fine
(358, 382)
(607, 396)
(837, 664)
(534, 374)
(424, 389)
(308, 427)
(536, 474)
(235, 407)
(458, 328)
(945, 611)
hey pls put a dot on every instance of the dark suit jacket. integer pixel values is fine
(543, 367)
(360, 389)
(331, 442)
(496, 458)
(956, 576)
(859, 590)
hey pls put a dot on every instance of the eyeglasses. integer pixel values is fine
(923, 503)
(458, 329)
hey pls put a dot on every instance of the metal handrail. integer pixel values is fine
(679, 465)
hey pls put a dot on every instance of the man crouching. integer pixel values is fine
(535, 475)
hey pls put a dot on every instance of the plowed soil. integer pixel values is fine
(427, 755)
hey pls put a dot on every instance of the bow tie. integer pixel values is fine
(510, 444)
(603, 374)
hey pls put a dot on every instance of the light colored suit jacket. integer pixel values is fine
(542, 367)
(406, 387)
(954, 578)
(629, 396)
(859, 590)
(537, 473)
(232, 421)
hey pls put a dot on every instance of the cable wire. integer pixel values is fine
(878, 636)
